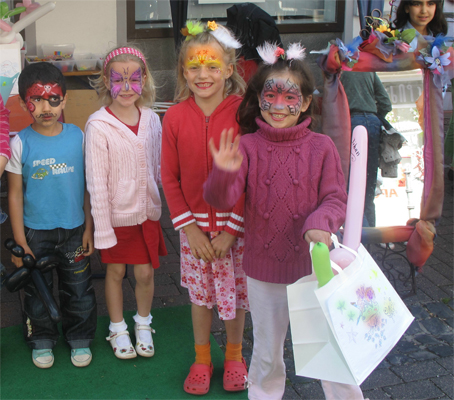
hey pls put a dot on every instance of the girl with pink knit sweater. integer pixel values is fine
(295, 194)
(123, 151)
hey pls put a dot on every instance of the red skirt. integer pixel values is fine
(138, 244)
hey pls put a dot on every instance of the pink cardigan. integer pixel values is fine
(123, 173)
(293, 182)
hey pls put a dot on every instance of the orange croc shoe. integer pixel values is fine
(235, 376)
(198, 380)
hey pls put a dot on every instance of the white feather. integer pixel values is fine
(296, 52)
(267, 52)
(225, 37)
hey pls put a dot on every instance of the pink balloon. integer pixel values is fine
(357, 189)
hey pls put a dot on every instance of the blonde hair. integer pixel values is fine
(148, 96)
(235, 84)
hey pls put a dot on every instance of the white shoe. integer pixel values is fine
(142, 348)
(121, 352)
(43, 358)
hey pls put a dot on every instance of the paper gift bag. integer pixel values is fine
(343, 330)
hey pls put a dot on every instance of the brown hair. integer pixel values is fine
(148, 92)
(436, 26)
(249, 108)
(233, 85)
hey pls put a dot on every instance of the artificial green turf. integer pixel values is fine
(107, 377)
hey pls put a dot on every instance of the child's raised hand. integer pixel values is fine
(317, 235)
(228, 157)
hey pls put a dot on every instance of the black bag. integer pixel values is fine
(252, 26)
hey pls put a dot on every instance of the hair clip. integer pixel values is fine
(222, 35)
(271, 52)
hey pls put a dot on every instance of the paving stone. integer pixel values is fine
(418, 311)
(290, 393)
(166, 290)
(447, 363)
(440, 310)
(445, 270)
(435, 326)
(434, 276)
(376, 394)
(399, 359)
(426, 339)
(442, 255)
(447, 338)
(299, 379)
(435, 292)
(446, 384)
(419, 371)
(442, 350)
(405, 347)
(379, 378)
(163, 279)
(414, 390)
(423, 355)
(414, 329)
(312, 391)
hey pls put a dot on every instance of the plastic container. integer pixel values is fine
(58, 51)
(34, 59)
(64, 65)
(99, 60)
(86, 64)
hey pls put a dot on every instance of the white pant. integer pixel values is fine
(270, 321)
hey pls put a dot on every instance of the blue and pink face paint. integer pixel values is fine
(124, 81)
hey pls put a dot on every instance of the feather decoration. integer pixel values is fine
(296, 52)
(224, 36)
(267, 52)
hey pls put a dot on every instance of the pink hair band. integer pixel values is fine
(123, 50)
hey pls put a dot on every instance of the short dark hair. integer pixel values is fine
(43, 72)
(436, 26)
(249, 108)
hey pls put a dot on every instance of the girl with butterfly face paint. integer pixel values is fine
(123, 151)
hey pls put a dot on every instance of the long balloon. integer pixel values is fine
(355, 201)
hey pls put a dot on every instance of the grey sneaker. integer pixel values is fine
(43, 358)
(81, 357)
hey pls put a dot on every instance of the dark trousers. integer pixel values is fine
(373, 125)
(76, 292)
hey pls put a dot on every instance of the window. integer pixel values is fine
(152, 18)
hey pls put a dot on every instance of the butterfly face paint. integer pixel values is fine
(50, 92)
(281, 94)
(123, 80)
(205, 56)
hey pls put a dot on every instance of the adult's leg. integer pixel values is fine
(270, 321)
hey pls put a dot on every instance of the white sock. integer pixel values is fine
(122, 340)
(144, 336)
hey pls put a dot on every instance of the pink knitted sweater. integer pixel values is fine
(293, 182)
(123, 173)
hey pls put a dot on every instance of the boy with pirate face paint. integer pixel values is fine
(50, 214)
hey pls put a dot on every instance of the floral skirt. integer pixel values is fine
(222, 282)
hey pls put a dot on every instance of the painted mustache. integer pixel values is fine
(46, 115)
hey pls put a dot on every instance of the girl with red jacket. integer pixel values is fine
(208, 92)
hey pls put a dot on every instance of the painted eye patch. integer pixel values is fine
(281, 94)
(117, 80)
(50, 92)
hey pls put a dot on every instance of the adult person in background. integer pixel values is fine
(367, 99)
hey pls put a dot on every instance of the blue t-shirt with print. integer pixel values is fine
(53, 178)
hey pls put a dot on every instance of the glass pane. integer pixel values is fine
(156, 13)
(398, 199)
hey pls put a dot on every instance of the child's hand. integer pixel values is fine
(229, 157)
(88, 242)
(18, 260)
(199, 243)
(317, 235)
(222, 243)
